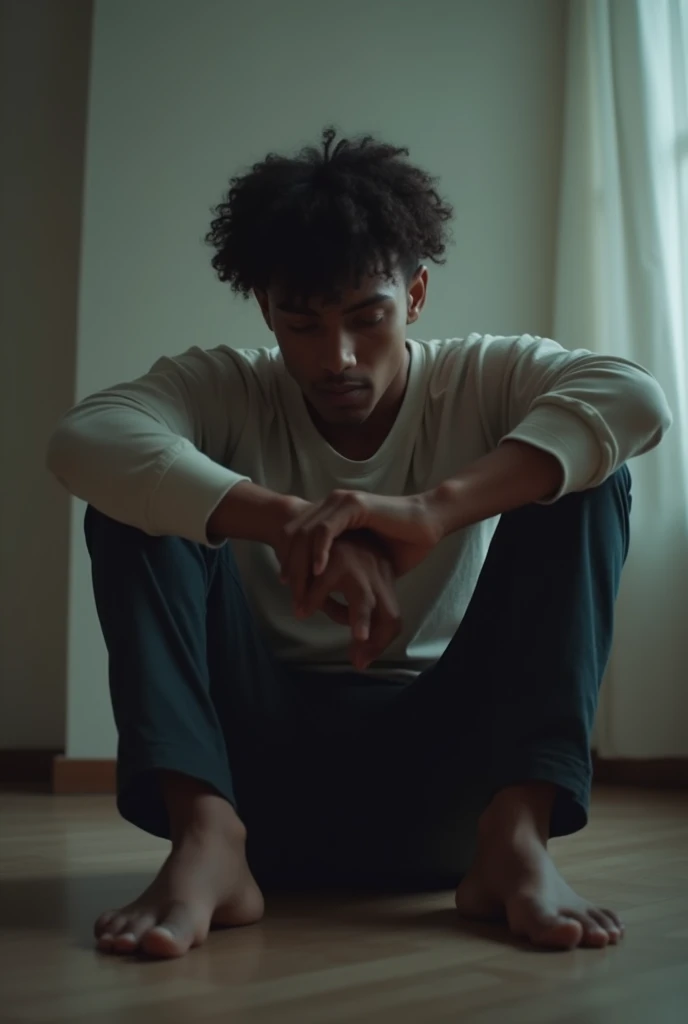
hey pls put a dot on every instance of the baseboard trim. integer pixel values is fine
(33, 768)
(659, 772)
(86, 775)
(83, 775)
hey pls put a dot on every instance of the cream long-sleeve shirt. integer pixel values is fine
(159, 453)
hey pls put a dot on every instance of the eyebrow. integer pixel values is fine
(373, 300)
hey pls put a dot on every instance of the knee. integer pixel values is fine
(116, 542)
(607, 508)
(620, 481)
(117, 548)
(103, 532)
(614, 492)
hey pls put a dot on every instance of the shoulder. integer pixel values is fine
(260, 363)
(257, 368)
(449, 362)
(445, 363)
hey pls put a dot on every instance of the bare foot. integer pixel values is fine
(206, 879)
(513, 875)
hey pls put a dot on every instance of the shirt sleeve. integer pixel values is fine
(590, 412)
(154, 453)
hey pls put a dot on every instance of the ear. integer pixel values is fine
(264, 303)
(417, 291)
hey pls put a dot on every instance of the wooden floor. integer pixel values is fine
(406, 959)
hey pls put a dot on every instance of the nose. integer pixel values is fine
(337, 352)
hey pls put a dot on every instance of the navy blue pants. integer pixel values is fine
(343, 779)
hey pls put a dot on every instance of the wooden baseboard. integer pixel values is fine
(32, 768)
(77, 775)
(83, 775)
(659, 772)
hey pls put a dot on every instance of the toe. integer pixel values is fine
(595, 933)
(163, 942)
(130, 937)
(173, 935)
(616, 921)
(529, 917)
(103, 921)
(114, 927)
(556, 931)
(605, 921)
(125, 942)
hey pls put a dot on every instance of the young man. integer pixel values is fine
(379, 681)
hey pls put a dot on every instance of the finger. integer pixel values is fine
(296, 570)
(308, 554)
(323, 539)
(330, 523)
(386, 592)
(385, 625)
(301, 520)
(359, 657)
(361, 601)
(340, 512)
(386, 628)
(294, 533)
(362, 655)
(336, 611)
(318, 592)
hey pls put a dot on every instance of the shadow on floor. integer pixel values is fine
(60, 903)
(371, 910)
(72, 904)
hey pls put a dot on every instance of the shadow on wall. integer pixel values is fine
(43, 90)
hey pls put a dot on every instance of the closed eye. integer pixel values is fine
(302, 328)
(368, 322)
(361, 324)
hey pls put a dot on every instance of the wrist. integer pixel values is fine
(446, 505)
(283, 509)
(251, 512)
(513, 475)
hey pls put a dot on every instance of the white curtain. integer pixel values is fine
(622, 288)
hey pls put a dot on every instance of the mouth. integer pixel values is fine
(344, 396)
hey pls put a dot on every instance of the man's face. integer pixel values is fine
(346, 353)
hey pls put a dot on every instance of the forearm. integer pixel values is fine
(250, 512)
(513, 475)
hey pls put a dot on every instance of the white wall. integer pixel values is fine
(186, 92)
(43, 89)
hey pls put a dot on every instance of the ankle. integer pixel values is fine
(195, 809)
(518, 810)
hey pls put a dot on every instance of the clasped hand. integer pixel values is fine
(357, 544)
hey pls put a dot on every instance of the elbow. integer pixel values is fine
(59, 453)
(651, 414)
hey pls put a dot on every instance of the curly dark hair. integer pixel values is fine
(328, 216)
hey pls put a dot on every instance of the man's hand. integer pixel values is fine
(409, 528)
(358, 570)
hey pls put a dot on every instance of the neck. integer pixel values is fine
(360, 441)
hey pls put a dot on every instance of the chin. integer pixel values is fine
(338, 417)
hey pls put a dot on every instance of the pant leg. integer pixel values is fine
(190, 679)
(514, 697)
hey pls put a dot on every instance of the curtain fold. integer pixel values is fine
(622, 288)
